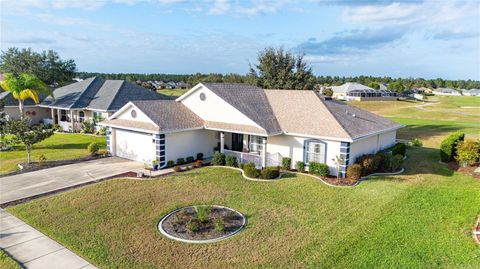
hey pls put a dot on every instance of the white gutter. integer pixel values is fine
(377, 133)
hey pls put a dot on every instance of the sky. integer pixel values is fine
(429, 39)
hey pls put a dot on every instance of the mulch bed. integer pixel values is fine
(477, 231)
(179, 224)
(340, 181)
(469, 170)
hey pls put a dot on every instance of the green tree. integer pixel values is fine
(396, 86)
(27, 134)
(374, 85)
(24, 86)
(327, 92)
(280, 69)
(46, 65)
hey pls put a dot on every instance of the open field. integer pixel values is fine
(57, 147)
(173, 92)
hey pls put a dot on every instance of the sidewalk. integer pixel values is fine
(33, 249)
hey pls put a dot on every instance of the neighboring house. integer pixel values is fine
(471, 92)
(90, 99)
(32, 110)
(446, 91)
(253, 124)
(358, 92)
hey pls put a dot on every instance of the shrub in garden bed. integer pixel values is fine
(396, 163)
(399, 148)
(300, 166)
(448, 146)
(180, 161)
(250, 170)
(177, 168)
(93, 148)
(416, 142)
(271, 172)
(198, 163)
(231, 161)
(370, 163)
(468, 152)
(190, 159)
(170, 163)
(354, 171)
(218, 158)
(319, 169)
(200, 156)
(286, 163)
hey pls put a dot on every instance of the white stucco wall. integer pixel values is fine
(292, 146)
(189, 143)
(127, 115)
(215, 108)
(371, 145)
(40, 113)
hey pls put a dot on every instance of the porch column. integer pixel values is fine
(222, 141)
(58, 115)
(264, 152)
(53, 115)
(71, 120)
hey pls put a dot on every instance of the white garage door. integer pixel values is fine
(134, 146)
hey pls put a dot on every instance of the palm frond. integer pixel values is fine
(29, 93)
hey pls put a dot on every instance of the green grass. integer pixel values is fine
(172, 92)
(6, 262)
(57, 147)
(422, 219)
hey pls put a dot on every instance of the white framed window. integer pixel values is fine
(81, 116)
(315, 151)
(255, 143)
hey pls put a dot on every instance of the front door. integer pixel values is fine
(237, 142)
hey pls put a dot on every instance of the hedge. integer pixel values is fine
(399, 148)
(218, 158)
(231, 160)
(250, 170)
(286, 163)
(448, 147)
(319, 169)
(271, 172)
(354, 171)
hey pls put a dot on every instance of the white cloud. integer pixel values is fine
(219, 7)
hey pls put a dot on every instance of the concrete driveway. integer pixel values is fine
(26, 185)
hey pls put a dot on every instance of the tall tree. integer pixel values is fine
(280, 69)
(48, 66)
(23, 87)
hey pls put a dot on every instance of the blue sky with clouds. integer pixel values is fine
(430, 39)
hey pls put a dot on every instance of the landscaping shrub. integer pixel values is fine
(286, 163)
(102, 131)
(319, 169)
(88, 127)
(203, 213)
(193, 225)
(103, 152)
(385, 159)
(219, 225)
(250, 170)
(369, 163)
(399, 148)
(449, 145)
(270, 172)
(354, 171)
(170, 163)
(240, 165)
(416, 142)
(42, 159)
(180, 161)
(396, 162)
(200, 156)
(93, 148)
(177, 168)
(198, 163)
(468, 152)
(218, 158)
(56, 127)
(231, 161)
(190, 159)
(300, 166)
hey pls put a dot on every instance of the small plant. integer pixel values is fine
(385, 160)
(468, 152)
(396, 162)
(198, 163)
(250, 170)
(102, 131)
(218, 158)
(300, 166)
(270, 172)
(203, 213)
(369, 163)
(231, 161)
(177, 168)
(103, 152)
(193, 225)
(170, 163)
(448, 147)
(42, 159)
(286, 163)
(56, 127)
(416, 142)
(319, 169)
(180, 161)
(200, 156)
(399, 148)
(88, 126)
(219, 225)
(354, 171)
(93, 148)
(190, 159)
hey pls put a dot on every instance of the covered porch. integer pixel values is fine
(248, 148)
(68, 120)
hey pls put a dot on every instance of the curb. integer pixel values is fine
(191, 241)
(249, 178)
(475, 233)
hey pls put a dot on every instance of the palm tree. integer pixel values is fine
(24, 86)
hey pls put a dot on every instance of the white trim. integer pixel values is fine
(232, 131)
(16, 106)
(378, 133)
(128, 128)
(189, 92)
(320, 137)
(180, 130)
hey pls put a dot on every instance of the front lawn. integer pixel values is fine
(422, 219)
(57, 147)
(6, 262)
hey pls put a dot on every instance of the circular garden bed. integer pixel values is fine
(202, 224)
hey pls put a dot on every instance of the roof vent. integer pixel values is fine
(353, 115)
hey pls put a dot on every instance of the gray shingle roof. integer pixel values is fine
(349, 86)
(99, 94)
(250, 100)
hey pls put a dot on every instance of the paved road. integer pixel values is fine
(42, 181)
(34, 250)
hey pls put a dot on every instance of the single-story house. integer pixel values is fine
(90, 99)
(253, 124)
(446, 91)
(471, 92)
(358, 92)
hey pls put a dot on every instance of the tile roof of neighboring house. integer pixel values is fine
(99, 94)
(10, 101)
(477, 91)
(250, 100)
(349, 86)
